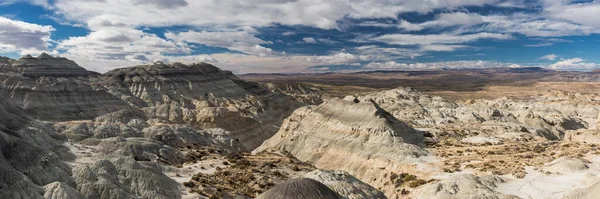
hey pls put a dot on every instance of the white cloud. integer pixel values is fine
(312, 40)
(43, 3)
(532, 25)
(16, 36)
(573, 64)
(410, 26)
(578, 13)
(392, 65)
(373, 52)
(309, 40)
(289, 33)
(164, 4)
(442, 20)
(409, 39)
(240, 40)
(550, 57)
(119, 45)
(561, 20)
(441, 47)
(544, 44)
(459, 18)
(316, 13)
(339, 58)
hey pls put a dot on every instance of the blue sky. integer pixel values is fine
(264, 36)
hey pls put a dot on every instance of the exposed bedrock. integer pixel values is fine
(549, 118)
(463, 186)
(30, 156)
(202, 96)
(56, 89)
(300, 188)
(123, 178)
(346, 185)
(360, 138)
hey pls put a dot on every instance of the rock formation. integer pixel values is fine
(590, 192)
(30, 156)
(299, 188)
(46, 65)
(370, 139)
(203, 96)
(123, 178)
(56, 89)
(346, 185)
(567, 165)
(546, 118)
(61, 190)
(462, 186)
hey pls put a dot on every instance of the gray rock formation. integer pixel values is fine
(46, 65)
(299, 188)
(30, 157)
(141, 149)
(346, 185)
(5, 62)
(56, 89)
(123, 178)
(58, 190)
(203, 96)
(462, 186)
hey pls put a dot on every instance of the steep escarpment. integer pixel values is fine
(56, 89)
(370, 140)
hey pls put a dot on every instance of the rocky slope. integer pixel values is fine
(370, 139)
(200, 96)
(30, 155)
(547, 116)
(203, 96)
(56, 89)
(126, 126)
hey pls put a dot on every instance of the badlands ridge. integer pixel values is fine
(196, 131)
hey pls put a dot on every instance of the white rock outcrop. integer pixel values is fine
(462, 186)
(360, 138)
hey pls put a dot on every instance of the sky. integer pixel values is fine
(306, 36)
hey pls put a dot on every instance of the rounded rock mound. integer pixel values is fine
(567, 165)
(300, 188)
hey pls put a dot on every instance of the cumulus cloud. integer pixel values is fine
(309, 40)
(573, 64)
(16, 36)
(119, 44)
(339, 58)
